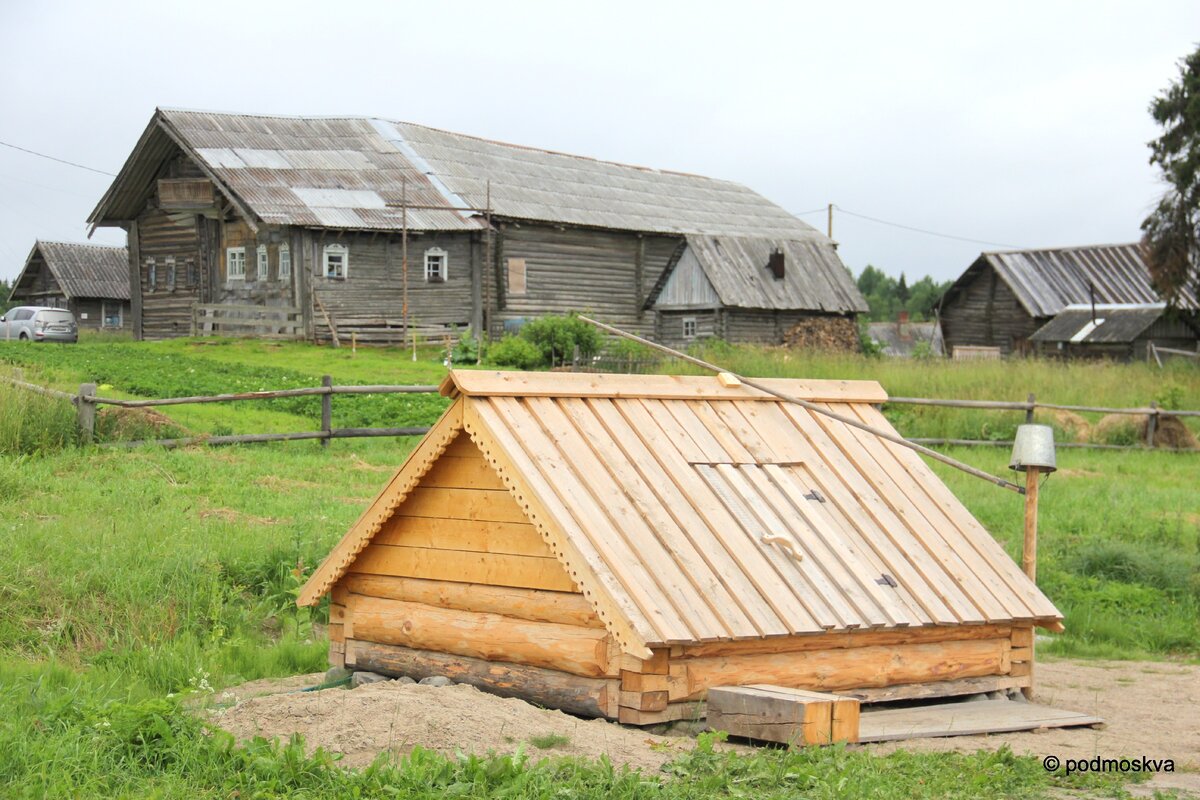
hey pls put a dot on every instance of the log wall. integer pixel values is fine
(984, 312)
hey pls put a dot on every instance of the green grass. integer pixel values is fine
(549, 741)
(127, 576)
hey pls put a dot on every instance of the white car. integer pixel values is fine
(38, 324)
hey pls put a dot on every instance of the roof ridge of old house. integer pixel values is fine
(1058, 249)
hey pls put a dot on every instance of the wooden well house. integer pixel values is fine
(617, 545)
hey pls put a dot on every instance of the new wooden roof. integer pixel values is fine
(687, 510)
(82, 270)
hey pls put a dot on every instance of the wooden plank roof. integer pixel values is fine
(691, 511)
(735, 268)
(1047, 281)
(82, 270)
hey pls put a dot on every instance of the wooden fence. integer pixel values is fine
(264, 322)
(86, 402)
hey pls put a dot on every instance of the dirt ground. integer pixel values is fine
(1152, 709)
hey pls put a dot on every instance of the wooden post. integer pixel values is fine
(1029, 552)
(1151, 424)
(195, 321)
(1029, 410)
(85, 410)
(326, 410)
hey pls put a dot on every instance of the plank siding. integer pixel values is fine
(459, 570)
(986, 313)
(578, 269)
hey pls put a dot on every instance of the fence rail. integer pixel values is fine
(86, 402)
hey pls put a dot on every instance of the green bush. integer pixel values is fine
(515, 351)
(557, 337)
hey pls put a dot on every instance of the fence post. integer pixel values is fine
(1151, 424)
(326, 410)
(1029, 411)
(85, 410)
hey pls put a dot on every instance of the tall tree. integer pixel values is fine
(1171, 234)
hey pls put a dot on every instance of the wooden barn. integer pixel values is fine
(616, 546)
(770, 291)
(1119, 332)
(375, 227)
(1003, 298)
(89, 280)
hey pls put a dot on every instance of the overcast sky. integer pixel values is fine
(1021, 124)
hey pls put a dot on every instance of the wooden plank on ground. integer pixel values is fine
(966, 718)
(781, 714)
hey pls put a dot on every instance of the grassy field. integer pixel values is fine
(129, 577)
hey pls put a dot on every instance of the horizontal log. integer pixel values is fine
(831, 641)
(843, 670)
(586, 697)
(1009, 444)
(492, 637)
(564, 608)
(309, 391)
(496, 569)
(954, 688)
(480, 536)
(46, 390)
(672, 713)
(644, 701)
(245, 307)
(363, 433)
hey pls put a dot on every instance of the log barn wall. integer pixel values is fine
(986, 313)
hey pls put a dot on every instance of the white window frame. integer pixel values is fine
(151, 275)
(285, 262)
(690, 322)
(335, 250)
(263, 263)
(442, 273)
(235, 257)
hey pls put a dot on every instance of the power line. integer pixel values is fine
(59, 160)
(924, 231)
(822, 209)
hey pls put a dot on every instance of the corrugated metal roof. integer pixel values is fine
(1116, 324)
(83, 270)
(690, 511)
(250, 154)
(814, 278)
(1046, 281)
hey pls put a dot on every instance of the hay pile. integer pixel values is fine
(1170, 432)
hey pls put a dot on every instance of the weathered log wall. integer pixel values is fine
(984, 312)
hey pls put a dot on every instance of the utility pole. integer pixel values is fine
(829, 221)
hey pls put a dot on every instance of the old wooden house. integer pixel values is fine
(91, 281)
(771, 291)
(905, 338)
(1122, 332)
(375, 226)
(1003, 298)
(615, 546)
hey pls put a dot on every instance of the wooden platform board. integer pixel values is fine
(967, 718)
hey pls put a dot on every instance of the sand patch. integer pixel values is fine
(393, 718)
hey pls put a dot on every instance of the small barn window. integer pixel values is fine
(285, 263)
(151, 274)
(336, 259)
(516, 276)
(235, 263)
(169, 261)
(435, 265)
(689, 327)
(264, 263)
(193, 273)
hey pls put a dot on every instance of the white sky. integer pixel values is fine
(1022, 124)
